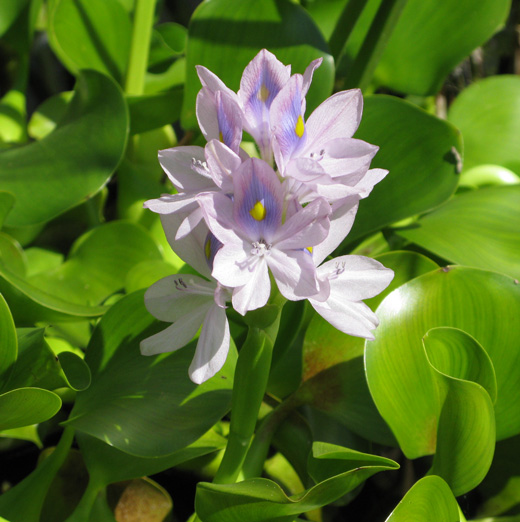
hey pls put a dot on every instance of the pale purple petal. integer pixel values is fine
(306, 228)
(371, 178)
(212, 346)
(176, 336)
(222, 162)
(337, 117)
(212, 82)
(189, 223)
(352, 318)
(342, 157)
(177, 296)
(355, 277)
(255, 292)
(294, 273)
(189, 248)
(171, 203)
(307, 79)
(185, 166)
(206, 111)
(341, 221)
(233, 265)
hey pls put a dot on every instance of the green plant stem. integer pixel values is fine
(141, 35)
(261, 443)
(251, 375)
(374, 44)
(344, 26)
(83, 509)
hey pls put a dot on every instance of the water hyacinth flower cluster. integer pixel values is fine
(244, 222)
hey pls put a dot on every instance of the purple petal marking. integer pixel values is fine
(262, 80)
(257, 186)
(287, 123)
(229, 119)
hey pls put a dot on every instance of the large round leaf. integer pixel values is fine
(484, 304)
(225, 35)
(418, 149)
(477, 228)
(488, 115)
(91, 34)
(333, 371)
(466, 385)
(72, 163)
(432, 37)
(98, 263)
(145, 406)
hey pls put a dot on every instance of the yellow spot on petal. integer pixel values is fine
(207, 248)
(221, 137)
(258, 211)
(263, 93)
(309, 249)
(300, 127)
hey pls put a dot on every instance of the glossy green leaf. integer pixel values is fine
(90, 34)
(38, 366)
(405, 390)
(145, 406)
(488, 115)
(241, 28)
(418, 150)
(25, 406)
(432, 37)
(107, 464)
(8, 342)
(488, 175)
(428, 500)
(333, 370)
(98, 263)
(146, 273)
(73, 162)
(76, 370)
(478, 228)
(30, 304)
(467, 387)
(339, 470)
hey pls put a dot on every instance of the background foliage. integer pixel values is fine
(90, 90)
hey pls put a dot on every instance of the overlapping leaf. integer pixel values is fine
(482, 304)
(337, 470)
(145, 406)
(73, 162)
(478, 228)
